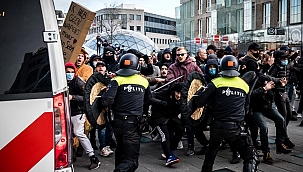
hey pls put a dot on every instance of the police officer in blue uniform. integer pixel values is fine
(126, 94)
(227, 95)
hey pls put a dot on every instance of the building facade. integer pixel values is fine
(238, 23)
(160, 29)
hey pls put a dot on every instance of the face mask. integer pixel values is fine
(95, 64)
(212, 71)
(70, 76)
(284, 62)
(256, 55)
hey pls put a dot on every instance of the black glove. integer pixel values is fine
(164, 103)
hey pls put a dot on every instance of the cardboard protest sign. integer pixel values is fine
(75, 28)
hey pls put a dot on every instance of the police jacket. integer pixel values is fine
(76, 90)
(127, 94)
(228, 95)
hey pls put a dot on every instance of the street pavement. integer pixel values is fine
(150, 159)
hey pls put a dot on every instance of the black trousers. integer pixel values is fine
(231, 132)
(127, 133)
(171, 133)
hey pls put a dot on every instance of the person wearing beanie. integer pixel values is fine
(165, 58)
(211, 70)
(211, 49)
(93, 60)
(281, 69)
(83, 71)
(165, 114)
(229, 51)
(109, 59)
(76, 92)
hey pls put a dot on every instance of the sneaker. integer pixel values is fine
(105, 151)
(163, 155)
(190, 151)
(180, 145)
(267, 158)
(94, 162)
(236, 158)
(172, 159)
(288, 143)
(299, 115)
(282, 149)
(202, 151)
(109, 150)
(293, 118)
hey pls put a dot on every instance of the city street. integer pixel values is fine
(150, 159)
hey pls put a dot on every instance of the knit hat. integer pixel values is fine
(71, 65)
(229, 49)
(106, 49)
(177, 86)
(166, 50)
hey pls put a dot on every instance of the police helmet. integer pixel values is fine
(229, 66)
(128, 65)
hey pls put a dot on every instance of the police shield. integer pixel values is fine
(94, 88)
(194, 83)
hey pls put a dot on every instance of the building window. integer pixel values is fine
(200, 6)
(131, 28)
(247, 15)
(200, 28)
(131, 17)
(138, 28)
(266, 18)
(228, 23)
(228, 3)
(282, 13)
(208, 27)
(138, 17)
(239, 1)
(240, 21)
(295, 11)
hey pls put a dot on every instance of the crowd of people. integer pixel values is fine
(177, 94)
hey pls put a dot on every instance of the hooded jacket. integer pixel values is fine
(111, 64)
(76, 90)
(163, 60)
(207, 75)
(185, 68)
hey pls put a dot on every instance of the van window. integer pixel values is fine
(24, 66)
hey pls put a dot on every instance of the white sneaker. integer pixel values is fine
(104, 151)
(299, 115)
(109, 150)
(180, 145)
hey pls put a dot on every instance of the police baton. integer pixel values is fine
(167, 83)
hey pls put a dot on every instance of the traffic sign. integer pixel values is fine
(216, 38)
(225, 38)
(198, 40)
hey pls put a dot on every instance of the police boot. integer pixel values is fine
(207, 168)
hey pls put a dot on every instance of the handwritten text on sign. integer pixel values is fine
(74, 30)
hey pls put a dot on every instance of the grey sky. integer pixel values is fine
(161, 7)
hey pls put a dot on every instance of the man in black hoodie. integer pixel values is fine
(109, 59)
(165, 58)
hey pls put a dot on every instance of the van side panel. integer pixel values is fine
(31, 136)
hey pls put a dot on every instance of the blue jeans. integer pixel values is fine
(104, 135)
(280, 124)
(290, 91)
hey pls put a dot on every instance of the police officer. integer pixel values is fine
(227, 95)
(126, 94)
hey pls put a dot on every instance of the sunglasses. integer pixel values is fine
(109, 52)
(180, 54)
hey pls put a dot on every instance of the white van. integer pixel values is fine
(34, 109)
